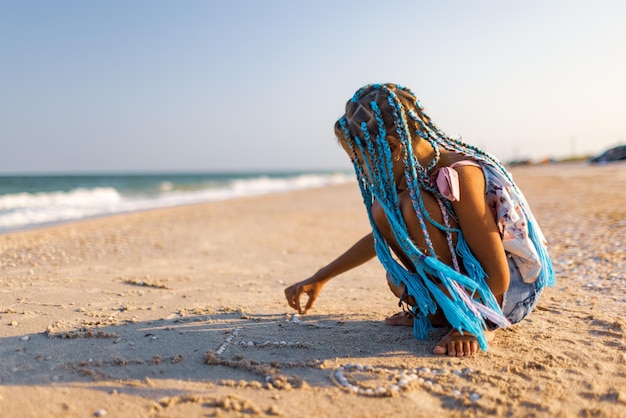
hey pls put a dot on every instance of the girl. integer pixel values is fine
(454, 233)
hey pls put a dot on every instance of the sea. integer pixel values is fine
(32, 201)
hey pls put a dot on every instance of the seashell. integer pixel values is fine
(403, 377)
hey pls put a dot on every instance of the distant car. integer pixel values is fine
(515, 163)
(617, 153)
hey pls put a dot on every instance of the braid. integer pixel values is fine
(374, 111)
(411, 163)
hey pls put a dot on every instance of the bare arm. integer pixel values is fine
(358, 254)
(480, 230)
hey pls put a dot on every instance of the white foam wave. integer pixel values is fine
(25, 210)
(76, 198)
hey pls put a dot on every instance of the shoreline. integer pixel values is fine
(128, 313)
(43, 200)
(512, 169)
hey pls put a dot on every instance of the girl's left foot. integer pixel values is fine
(399, 319)
(455, 344)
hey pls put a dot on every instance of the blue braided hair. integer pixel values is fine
(488, 162)
(375, 112)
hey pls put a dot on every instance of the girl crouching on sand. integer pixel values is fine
(458, 241)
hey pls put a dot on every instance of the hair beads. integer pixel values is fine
(373, 111)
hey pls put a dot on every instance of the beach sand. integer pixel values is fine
(180, 312)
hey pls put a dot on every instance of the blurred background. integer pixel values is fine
(159, 100)
(236, 85)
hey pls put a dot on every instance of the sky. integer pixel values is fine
(246, 85)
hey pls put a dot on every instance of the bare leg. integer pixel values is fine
(400, 319)
(453, 344)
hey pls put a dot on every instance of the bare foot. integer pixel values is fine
(455, 344)
(399, 320)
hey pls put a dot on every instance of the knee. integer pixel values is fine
(380, 219)
(398, 291)
(406, 207)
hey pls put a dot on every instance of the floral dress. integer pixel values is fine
(508, 207)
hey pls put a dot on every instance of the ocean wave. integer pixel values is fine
(76, 198)
(28, 210)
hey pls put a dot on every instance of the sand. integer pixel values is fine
(180, 312)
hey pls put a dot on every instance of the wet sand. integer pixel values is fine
(180, 312)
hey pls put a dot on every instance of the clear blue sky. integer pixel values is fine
(118, 86)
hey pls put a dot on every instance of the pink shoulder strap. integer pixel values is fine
(465, 162)
(447, 180)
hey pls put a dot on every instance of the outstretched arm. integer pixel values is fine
(358, 254)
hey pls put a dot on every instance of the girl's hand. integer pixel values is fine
(310, 286)
(358, 254)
